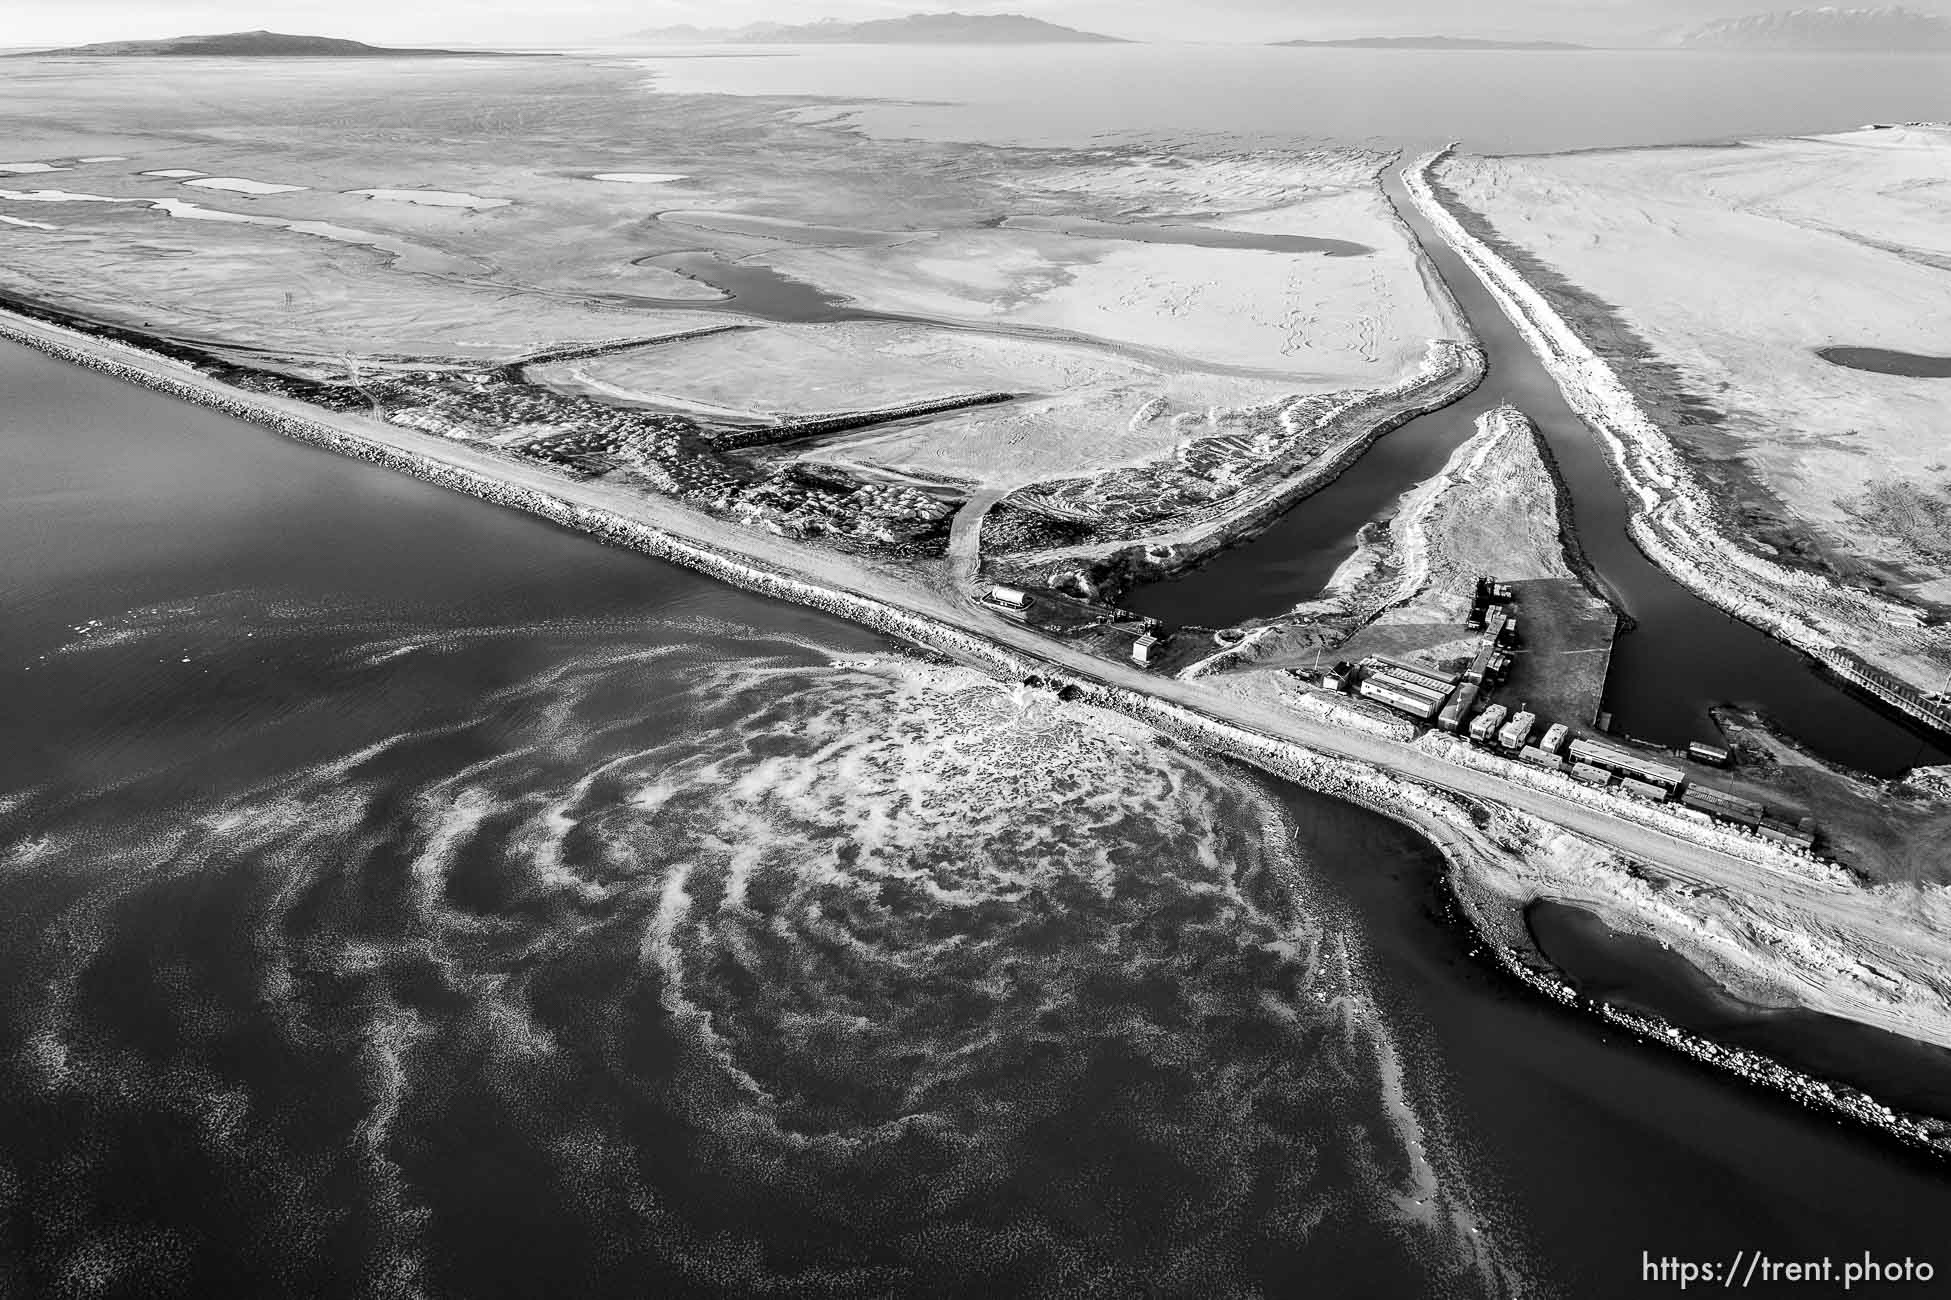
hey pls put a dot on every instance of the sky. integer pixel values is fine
(478, 22)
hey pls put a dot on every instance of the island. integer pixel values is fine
(913, 29)
(255, 45)
(1427, 43)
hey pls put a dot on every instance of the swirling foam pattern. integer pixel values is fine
(717, 966)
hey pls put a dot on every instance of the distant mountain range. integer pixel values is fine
(256, 45)
(1428, 43)
(1890, 28)
(915, 29)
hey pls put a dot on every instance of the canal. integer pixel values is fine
(1680, 657)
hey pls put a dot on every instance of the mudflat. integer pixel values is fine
(1720, 282)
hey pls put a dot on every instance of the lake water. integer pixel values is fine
(400, 889)
(1492, 101)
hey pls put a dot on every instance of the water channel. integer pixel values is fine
(1680, 657)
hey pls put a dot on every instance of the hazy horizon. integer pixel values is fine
(1623, 22)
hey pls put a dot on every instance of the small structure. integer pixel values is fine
(1412, 672)
(1644, 789)
(1539, 757)
(1802, 835)
(1010, 600)
(1459, 707)
(1488, 722)
(1591, 775)
(1626, 761)
(1554, 738)
(1146, 649)
(1514, 733)
(1712, 754)
(1719, 803)
(1413, 698)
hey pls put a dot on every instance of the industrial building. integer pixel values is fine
(1459, 707)
(1801, 835)
(1719, 803)
(1414, 672)
(1146, 649)
(1420, 692)
(1420, 702)
(1628, 763)
(1713, 755)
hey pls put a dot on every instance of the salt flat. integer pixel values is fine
(432, 198)
(243, 185)
(1714, 275)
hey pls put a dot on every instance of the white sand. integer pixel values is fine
(22, 169)
(105, 157)
(175, 173)
(638, 178)
(55, 196)
(23, 221)
(196, 212)
(239, 185)
(432, 198)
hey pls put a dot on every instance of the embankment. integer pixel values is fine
(1450, 371)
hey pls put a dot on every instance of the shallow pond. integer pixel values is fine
(1190, 236)
(1883, 361)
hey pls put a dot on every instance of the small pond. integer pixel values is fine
(1883, 361)
(1191, 236)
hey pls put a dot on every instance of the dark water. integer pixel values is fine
(754, 289)
(1682, 657)
(1883, 361)
(1189, 236)
(399, 896)
(1643, 975)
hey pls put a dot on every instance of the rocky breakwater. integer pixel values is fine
(1678, 524)
(1483, 845)
(1923, 1132)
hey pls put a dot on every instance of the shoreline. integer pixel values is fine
(1670, 517)
(1432, 389)
(1444, 817)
